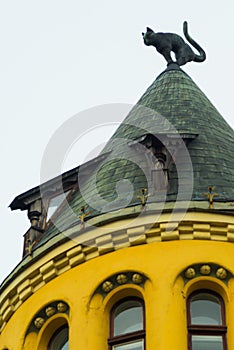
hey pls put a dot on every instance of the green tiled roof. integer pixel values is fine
(173, 103)
(177, 99)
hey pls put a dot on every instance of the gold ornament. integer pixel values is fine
(137, 278)
(205, 270)
(50, 311)
(82, 215)
(143, 198)
(61, 307)
(107, 286)
(190, 272)
(221, 273)
(121, 279)
(38, 322)
(210, 196)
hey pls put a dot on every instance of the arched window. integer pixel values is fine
(206, 321)
(59, 340)
(127, 325)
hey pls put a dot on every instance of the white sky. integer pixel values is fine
(60, 57)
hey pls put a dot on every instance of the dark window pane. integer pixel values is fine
(128, 318)
(136, 345)
(205, 310)
(200, 342)
(60, 340)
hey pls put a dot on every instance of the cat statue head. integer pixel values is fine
(148, 36)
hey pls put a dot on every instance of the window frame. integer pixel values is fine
(127, 337)
(47, 221)
(203, 329)
(54, 335)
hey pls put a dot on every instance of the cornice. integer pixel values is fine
(194, 226)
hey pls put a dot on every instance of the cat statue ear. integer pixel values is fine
(149, 30)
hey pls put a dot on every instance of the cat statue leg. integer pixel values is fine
(167, 55)
(184, 55)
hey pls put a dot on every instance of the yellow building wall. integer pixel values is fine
(164, 293)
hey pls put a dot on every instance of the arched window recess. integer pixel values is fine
(127, 325)
(59, 340)
(206, 321)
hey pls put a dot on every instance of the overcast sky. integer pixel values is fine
(58, 58)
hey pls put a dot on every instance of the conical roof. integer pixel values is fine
(172, 110)
(173, 124)
(174, 103)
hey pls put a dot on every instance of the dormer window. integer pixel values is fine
(158, 159)
(160, 171)
(55, 202)
(160, 152)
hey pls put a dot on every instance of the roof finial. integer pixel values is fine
(210, 195)
(82, 215)
(167, 42)
(143, 198)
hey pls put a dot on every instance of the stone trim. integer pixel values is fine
(11, 299)
(57, 307)
(119, 279)
(206, 269)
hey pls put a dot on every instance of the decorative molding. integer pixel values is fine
(57, 307)
(206, 269)
(11, 299)
(116, 280)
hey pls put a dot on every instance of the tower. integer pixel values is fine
(138, 251)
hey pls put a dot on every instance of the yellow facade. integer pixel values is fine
(138, 252)
(77, 285)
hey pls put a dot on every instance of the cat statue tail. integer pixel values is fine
(202, 55)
